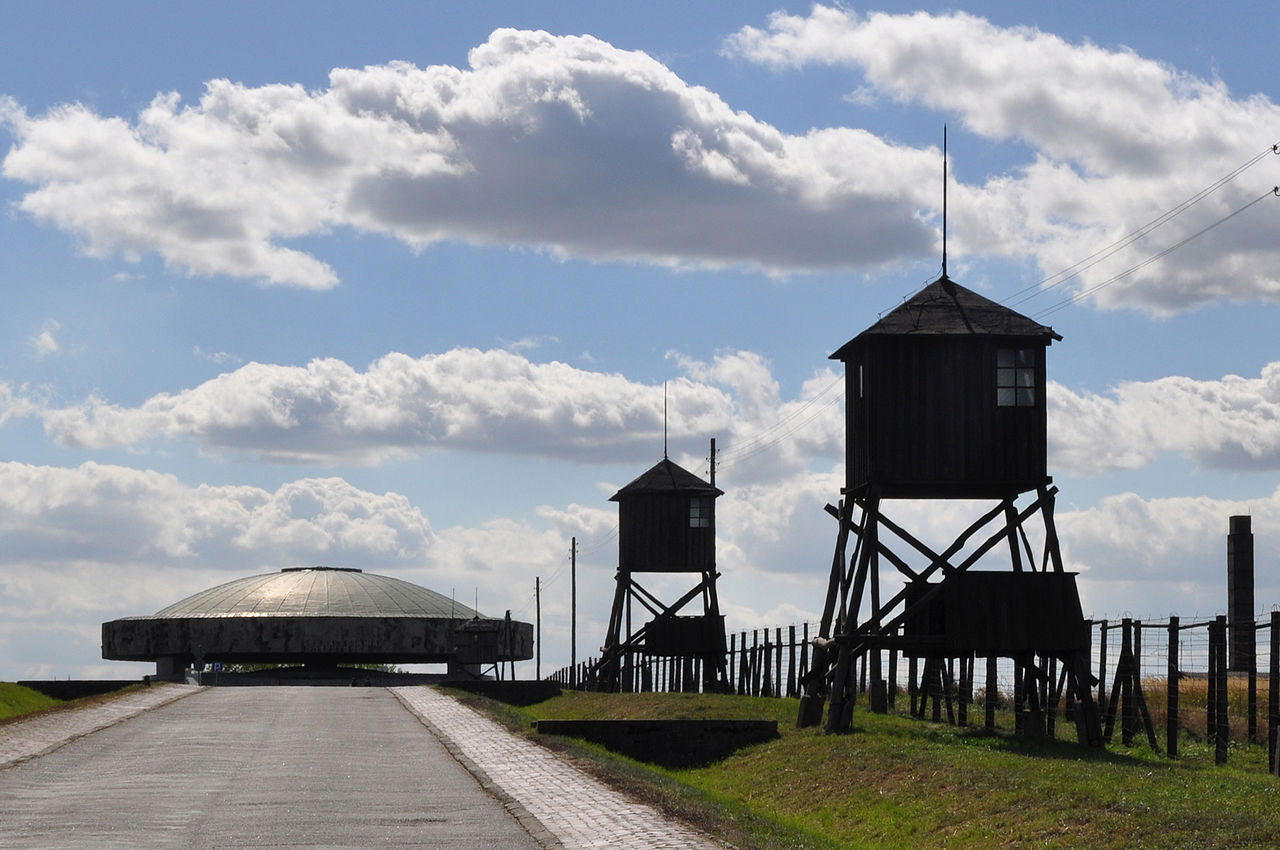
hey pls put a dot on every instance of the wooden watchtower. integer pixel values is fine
(945, 400)
(666, 524)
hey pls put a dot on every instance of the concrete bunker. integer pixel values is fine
(318, 617)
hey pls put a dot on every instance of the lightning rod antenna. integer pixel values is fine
(944, 200)
(664, 420)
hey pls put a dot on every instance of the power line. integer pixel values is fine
(766, 439)
(560, 571)
(781, 437)
(1074, 270)
(1116, 278)
(596, 544)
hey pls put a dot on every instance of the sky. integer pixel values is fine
(408, 287)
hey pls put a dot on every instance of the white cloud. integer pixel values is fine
(15, 405)
(45, 341)
(571, 145)
(770, 439)
(1116, 140)
(1155, 557)
(221, 358)
(87, 544)
(329, 413)
(530, 343)
(111, 514)
(465, 399)
(1232, 423)
(561, 143)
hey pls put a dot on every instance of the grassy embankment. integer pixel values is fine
(16, 701)
(900, 782)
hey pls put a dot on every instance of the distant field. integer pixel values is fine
(900, 782)
(16, 700)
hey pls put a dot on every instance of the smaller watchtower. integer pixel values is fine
(666, 524)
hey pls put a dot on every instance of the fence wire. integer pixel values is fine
(774, 662)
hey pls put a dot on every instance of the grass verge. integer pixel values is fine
(18, 702)
(900, 782)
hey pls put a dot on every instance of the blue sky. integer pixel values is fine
(398, 287)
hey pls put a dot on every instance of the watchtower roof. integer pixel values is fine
(945, 308)
(667, 477)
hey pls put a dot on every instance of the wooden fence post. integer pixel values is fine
(1171, 677)
(731, 654)
(1224, 722)
(1273, 695)
(777, 675)
(1128, 710)
(766, 677)
(804, 657)
(1253, 683)
(913, 690)
(990, 707)
(1051, 698)
(1211, 696)
(1102, 662)
(1224, 710)
(755, 661)
(891, 688)
(938, 685)
(791, 658)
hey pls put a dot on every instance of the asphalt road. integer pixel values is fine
(256, 767)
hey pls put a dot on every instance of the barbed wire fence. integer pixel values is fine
(1158, 683)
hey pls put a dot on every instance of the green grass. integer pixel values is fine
(15, 701)
(901, 782)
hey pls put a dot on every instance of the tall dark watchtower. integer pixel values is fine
(945, 400)
(666, 524)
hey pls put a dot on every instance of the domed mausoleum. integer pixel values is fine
(316, 616)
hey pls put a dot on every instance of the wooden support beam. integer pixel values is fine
(884, 550)
(646, 599)
(840, 715)
(814, 680)
(1051, 545)
(1011, 529)
(972, 559)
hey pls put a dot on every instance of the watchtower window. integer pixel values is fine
(699, 512)
(1015, 377)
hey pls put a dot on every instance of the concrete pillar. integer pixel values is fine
(171, 668)
(1240, 603)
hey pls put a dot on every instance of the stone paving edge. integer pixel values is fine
(110, 721)
(536, 828)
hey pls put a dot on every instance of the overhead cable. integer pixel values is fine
(1084, 293)
(1074, 270)
(766, 436)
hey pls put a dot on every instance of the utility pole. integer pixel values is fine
(573, 611)
(537, 641)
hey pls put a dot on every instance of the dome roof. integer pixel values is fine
(318, 592)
